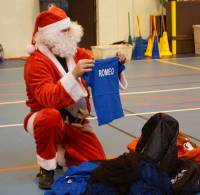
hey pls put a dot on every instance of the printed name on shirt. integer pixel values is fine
(106, 72)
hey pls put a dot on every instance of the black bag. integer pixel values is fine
(158, 141)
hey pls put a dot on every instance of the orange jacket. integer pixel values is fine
(186, 148)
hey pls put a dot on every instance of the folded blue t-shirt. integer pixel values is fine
(104, 83)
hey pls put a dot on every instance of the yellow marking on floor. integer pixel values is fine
(19, 168)
(151, 60)
(180, 65)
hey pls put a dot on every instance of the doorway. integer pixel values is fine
(84, 12)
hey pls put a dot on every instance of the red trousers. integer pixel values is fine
(49, 131)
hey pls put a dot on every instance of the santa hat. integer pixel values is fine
(52, 20)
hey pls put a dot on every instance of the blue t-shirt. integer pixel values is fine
(104, 83)
(76, 181)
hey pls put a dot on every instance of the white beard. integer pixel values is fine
(63, 44)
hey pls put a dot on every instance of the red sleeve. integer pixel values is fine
(83, 54)
(42, 86)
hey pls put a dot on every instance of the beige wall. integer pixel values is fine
(17, 21)
(112, 17)
(112, 20)
(16, 25)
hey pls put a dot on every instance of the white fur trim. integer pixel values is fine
(123, 84)
(70, 84)
(49, 54)
(30, 124)
(70, 63)
(57, 26)
(73, 87)
(47, 164)
(60, 156)
(30, 48)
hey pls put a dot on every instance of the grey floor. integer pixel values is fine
(167, 85)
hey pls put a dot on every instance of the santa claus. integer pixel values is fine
(57, 96)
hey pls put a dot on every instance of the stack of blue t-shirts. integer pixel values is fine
(74, 181)
(104, 83)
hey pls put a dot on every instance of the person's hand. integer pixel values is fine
(82, 67)
(83, 113)
(122, 57)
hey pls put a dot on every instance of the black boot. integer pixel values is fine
(46, 178)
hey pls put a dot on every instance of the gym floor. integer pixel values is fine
(166, 85)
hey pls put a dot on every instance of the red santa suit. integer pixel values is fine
(50, 89)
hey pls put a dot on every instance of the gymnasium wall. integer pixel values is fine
(17, 21)
(112, 20)
(112, 16)
(16, 25)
